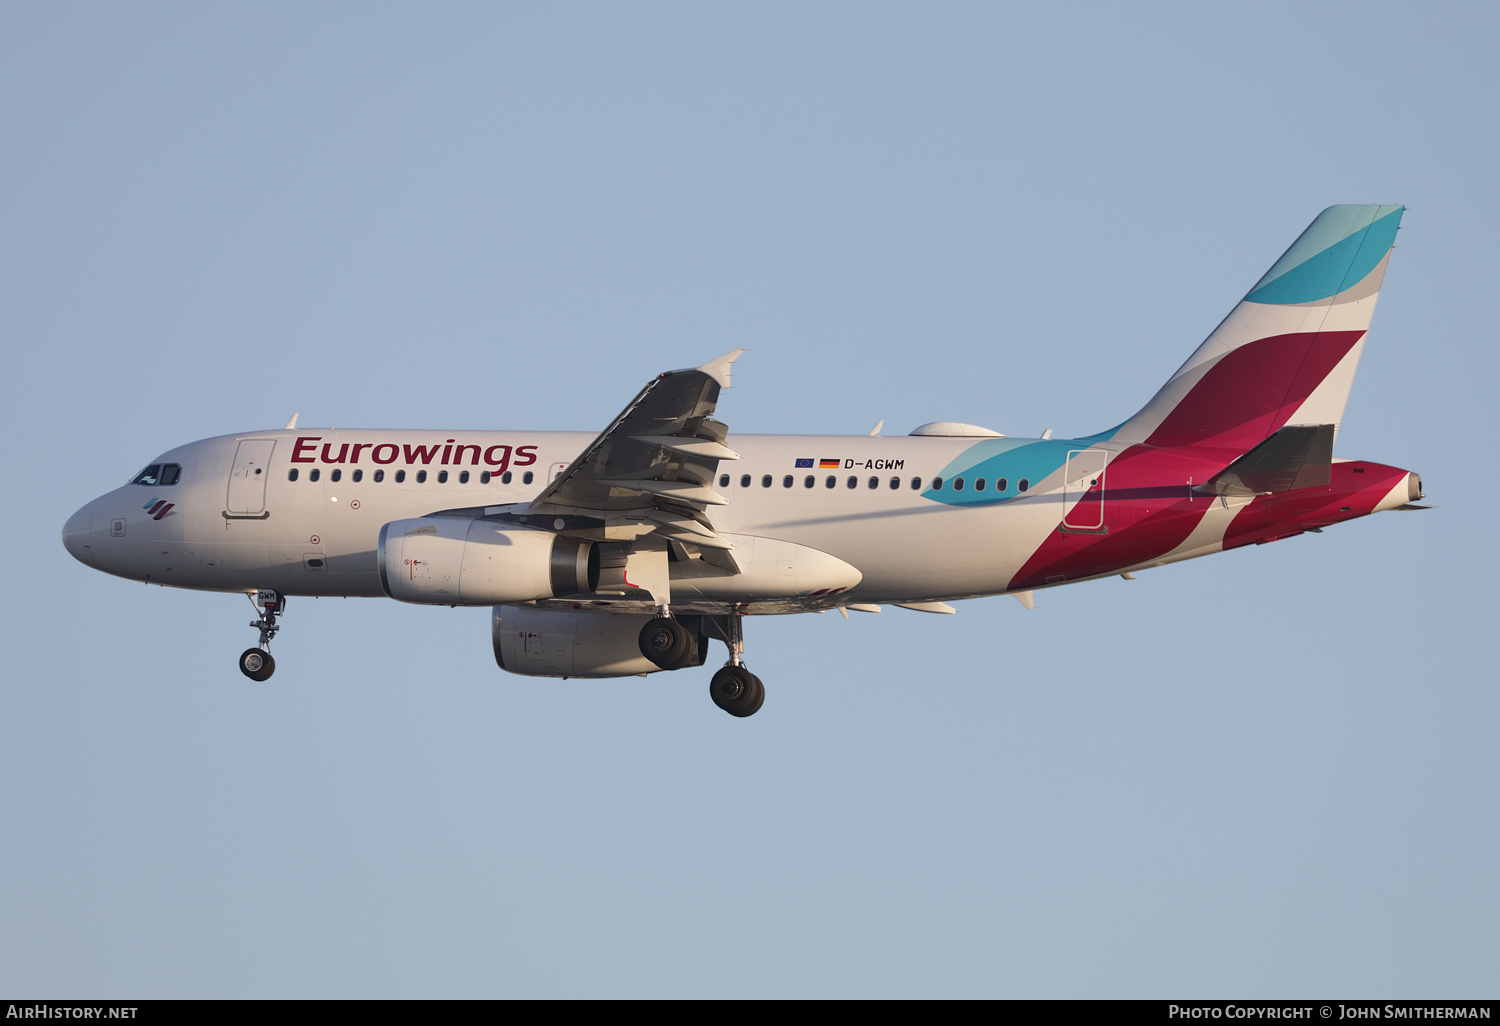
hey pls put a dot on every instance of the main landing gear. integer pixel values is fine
(256, 663)
(672, 644)
(668, 643)
(734, 688)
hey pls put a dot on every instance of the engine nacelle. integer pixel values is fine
(564, 643)
(458, 561)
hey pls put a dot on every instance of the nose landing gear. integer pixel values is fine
(256, 663)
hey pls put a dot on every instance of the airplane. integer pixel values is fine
(627, 552)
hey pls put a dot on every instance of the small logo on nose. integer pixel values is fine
(158, 508)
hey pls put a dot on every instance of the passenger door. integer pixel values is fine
(247, 478)
(1083, 490)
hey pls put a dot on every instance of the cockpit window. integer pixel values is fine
(159, 474)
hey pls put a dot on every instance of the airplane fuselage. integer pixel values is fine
(921, 518)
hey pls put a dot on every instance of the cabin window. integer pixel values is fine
(484, 477)
(335, 475)
(312, 475)
(916, 484)
(379, 476)
(421, 477)
(527, 477)
(359, 475)
(807, 482)
(400, 477)
(853, 481)
(505, 478)
(723, 480)
(765, 481)
(291, 475)
(150, 476)
(895, 483)
(874, 482)
(831, 482)
(1001, 484)
(958, 484)
(442, 477)
(937, 484)
(979, 485)
(786, 482)
(463, 477)
(1023, 484)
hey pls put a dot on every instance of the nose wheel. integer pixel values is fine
(256, 663)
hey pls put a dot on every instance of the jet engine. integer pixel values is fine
(565, 643)
(461, 561)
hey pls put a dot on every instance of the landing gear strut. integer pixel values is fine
(734, 688)
(256, 663)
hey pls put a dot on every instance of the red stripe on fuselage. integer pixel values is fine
(1149, 513)
(1357, 485)
(1149, 509)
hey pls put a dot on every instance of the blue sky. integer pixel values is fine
(1270, 773)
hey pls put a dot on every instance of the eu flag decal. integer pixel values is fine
(804, 464)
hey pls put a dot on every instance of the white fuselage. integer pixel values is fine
(234, 527)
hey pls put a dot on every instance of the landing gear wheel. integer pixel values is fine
(257, 664)
(737, 691)
(667, 643)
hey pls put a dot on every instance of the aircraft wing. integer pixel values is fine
(655, 462)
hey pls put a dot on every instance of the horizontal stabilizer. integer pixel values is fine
(1297, 456)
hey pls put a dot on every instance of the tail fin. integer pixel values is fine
(1287, 353)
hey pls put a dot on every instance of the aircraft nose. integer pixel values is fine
(78, 534)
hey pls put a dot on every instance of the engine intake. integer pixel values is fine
(459, 561)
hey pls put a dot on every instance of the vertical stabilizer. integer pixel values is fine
(1287, 353)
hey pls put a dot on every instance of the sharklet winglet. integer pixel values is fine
(719, 369)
